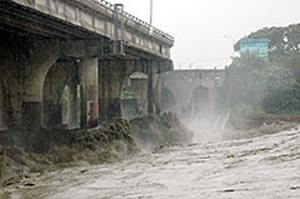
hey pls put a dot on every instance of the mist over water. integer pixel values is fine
(263, 167)
(205, 131)
(208, 126)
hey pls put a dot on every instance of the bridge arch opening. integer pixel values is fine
(60, 96)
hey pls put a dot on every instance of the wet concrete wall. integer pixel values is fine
(24, 64)
(2, 161)
(139, 88)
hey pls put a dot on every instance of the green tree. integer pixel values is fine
(273, 84)
(254, 82)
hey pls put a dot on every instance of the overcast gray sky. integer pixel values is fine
(199, 25)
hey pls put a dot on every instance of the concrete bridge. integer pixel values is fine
(192, 93)
(74, 53)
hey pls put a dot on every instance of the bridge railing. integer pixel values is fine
(133, 18)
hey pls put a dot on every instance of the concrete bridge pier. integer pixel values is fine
(3, 114)
(150, 93)
(88, 76)
(24, 65)
(35, 74)
(112, 75)
(157, 85)
(154, 89)
(72, 105)
(103, 72)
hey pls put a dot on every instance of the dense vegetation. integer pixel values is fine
(256, 86)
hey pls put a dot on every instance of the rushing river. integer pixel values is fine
(262, 167)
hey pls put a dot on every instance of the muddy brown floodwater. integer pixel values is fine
(262, 167)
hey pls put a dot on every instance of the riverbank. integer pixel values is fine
(262, 125)
(120, 139)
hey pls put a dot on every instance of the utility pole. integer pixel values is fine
(151, 11)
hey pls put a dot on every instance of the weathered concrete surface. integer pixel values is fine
(139, 88)
(2, 161)
(24, 64)
(86, 19)
(88, 76)
(34, 76)
(60, 74)
(138, 85)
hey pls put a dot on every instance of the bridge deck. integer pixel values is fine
(77, 19)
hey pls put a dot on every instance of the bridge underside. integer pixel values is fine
(57, 75)
(21, 20)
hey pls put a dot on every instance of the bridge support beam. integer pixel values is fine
(24, 65)
(88, 75)
(157, 93)
(3, 114)
(150, 89)
(31, 107)
(154, 89)
(72, 105)
(112, 75)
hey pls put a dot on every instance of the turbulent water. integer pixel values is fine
(263, 167)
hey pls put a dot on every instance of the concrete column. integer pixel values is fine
(103, 96)
(157, 93)
(88, 75)
(112, 76)
(32, 107)
(139, 88)
(3, 116)
(24, 65)
(2, 161)
(114, 96)
(150, 89)
(72, 105)
(52, 117)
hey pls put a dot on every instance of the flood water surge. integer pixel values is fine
(262, 167)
